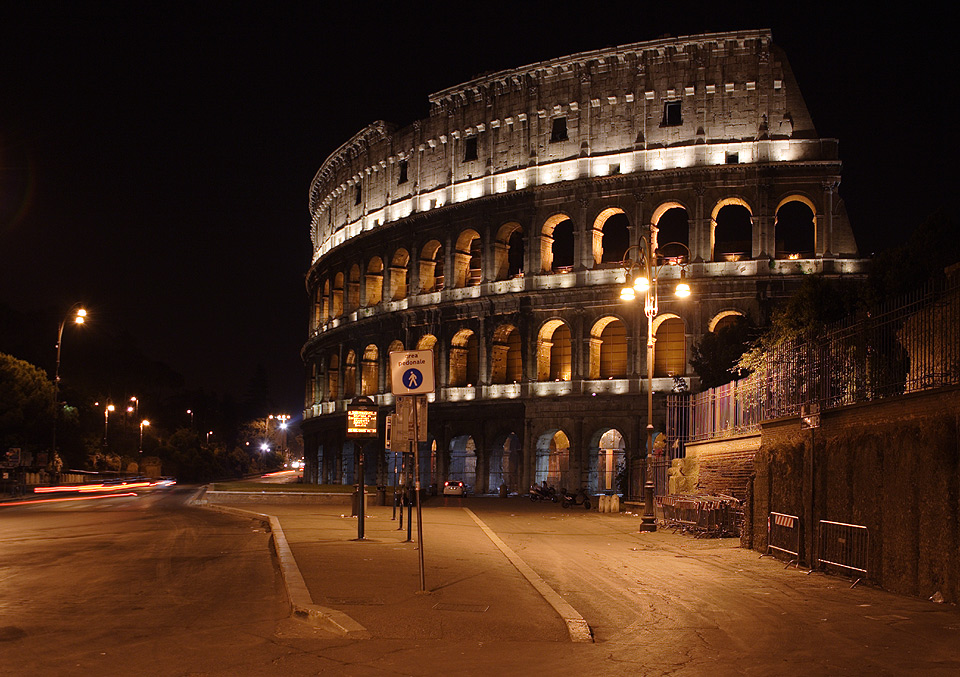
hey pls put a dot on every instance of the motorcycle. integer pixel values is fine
(568, 498)
(543, 493)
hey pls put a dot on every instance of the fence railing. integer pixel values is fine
(904, 346)
(845, 546)
(783, 536)
(700, 514)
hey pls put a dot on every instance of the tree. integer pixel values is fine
(26, 403)
(716, 356)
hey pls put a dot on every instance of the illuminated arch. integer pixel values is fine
(373, 291)
(506, 363)
(607, 455)
(797, 237)
(552, 459)
(508, 251)
(670, 347)
(398, 274)
(723, 314)
(667, 226)
(597, 232)
(467, 259)
(336, 296)
(744, 242)
(431, 266)
(370, 371)
(608, 348)
(464, 366)
(353, 288)
(554, 354)
(556, 248)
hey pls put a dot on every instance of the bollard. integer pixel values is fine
(503, 491)
(614, 505)
(602, 503)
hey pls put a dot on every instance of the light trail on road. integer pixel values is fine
(65, 499)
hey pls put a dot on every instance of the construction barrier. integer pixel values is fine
(783, 535)
(845, 546)
(701, 515)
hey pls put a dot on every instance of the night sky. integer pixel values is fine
(155, 163)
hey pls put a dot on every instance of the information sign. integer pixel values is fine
(411, 372)
(361, 419)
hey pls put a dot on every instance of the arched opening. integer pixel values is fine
(350, 375)
(508, 251)
(398, 274)
(467, 259)
(395, 347)
(505, 464)
(608, 349)
(429, 342)
(607, 460)
(333, 377)
(336, 300)
(353, 289)
(795, 227)
(556, 244)
(506, 364)
(673, 224)
(732, 232)
(464, 359)
(431, 267)
(370, 372)
(614, 230)
(463, 461)
(552, 460)
(374, 286)
(670, 348)
(726, 318)
(325, 301)
(554, 355)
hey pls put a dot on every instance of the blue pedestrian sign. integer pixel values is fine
(411, 372)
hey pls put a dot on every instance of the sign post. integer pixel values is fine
(412, 377)
(361, 425)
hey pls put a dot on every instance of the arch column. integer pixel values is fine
(829, 187)
(700, 230)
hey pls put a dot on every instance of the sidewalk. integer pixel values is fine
(472, 588)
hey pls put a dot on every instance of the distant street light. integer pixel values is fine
(190, 412)
(143, 423)
(641, 276)
(78, 315)
(106, 423)
(209, 433)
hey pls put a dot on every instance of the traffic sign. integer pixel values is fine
(411, 372)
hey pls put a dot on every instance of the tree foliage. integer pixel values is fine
(715, 357)
(26, 403)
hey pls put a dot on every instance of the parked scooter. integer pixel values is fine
(543, 492)
(568, 498)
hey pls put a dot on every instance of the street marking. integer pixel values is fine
(577, 626)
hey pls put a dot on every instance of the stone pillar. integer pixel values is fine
(829, 187)
(700, 230)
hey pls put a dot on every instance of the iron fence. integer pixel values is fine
(783, 536)
(903, 346)
(845, 546)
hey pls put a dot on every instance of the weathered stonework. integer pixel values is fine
(492, 232)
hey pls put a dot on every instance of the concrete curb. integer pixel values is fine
(577, 626)
(301, 603)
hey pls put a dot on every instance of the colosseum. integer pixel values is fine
(495, 232)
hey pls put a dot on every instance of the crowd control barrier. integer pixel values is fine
(845, 546)
(783, 536)
(701, 515)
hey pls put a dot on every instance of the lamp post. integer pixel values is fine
(642, 276)
(78, 315)
(143, 423)
(190, 413)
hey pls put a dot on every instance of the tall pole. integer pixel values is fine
(416, 469)
(77, 318)
(649, 522)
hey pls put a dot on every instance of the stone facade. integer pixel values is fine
(493, 232)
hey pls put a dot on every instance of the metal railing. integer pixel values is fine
(783, 536)
(845, 546)
(700, 514)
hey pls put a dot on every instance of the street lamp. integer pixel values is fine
(143, 423)
(190, 412)
(78, 315)
(642, 276)
(209, 433)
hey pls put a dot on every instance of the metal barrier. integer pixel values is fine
(701, 515)
(845, 546)
(783, 535)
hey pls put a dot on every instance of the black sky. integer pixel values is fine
(155, 163)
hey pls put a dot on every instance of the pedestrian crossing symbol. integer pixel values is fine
(412, 378)
(411, 372)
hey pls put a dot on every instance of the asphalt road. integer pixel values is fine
(148, 586)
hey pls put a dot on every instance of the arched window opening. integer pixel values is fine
(733, 234)
(333, 377)
(337, 296)
(318, 305)
(556, 245)
(429, 342)
(370, 372)
(508, 251)
(615, 239)
(325, 310)
(505, 464)
(350, 376)
(353, 289)
(795, 230)
(673, 226)
(728, 319)
(670, 349)
(431, 267)
(467, 259)
(374, 287)
(608, 349)
(398, 275)
(552, 461)
(395, 347)
(505, 358)
(606, 461)
(554, 355)
(463, 461)
(464, 359)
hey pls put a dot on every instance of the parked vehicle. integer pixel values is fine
(543, 492)
(453, 489)
(568, 498)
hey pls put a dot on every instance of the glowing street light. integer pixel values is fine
(78, 315)
(143, 423)
(644, 274)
